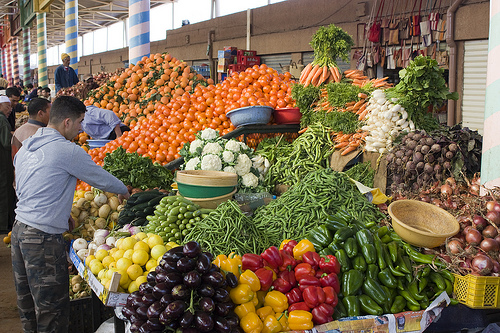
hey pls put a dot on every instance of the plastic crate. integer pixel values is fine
(477, 292)
(81, 318)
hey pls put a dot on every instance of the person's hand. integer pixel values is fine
(122, 197)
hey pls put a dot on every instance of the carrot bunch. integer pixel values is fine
(359, 79)
(348, 142)
(318, 75)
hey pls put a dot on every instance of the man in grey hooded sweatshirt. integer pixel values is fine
(47, 167)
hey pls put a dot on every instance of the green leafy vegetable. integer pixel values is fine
(345, 122)
(363, 173)
(137, 171)
(329, 44)
(341, 93)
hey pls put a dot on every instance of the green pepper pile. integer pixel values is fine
(380, 273)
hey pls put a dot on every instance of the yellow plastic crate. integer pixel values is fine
(477, 292)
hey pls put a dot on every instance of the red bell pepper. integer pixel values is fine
(330, 296)
(329, 264)
(322, 314)
(307, 281)
(303, 269)
(294, 296)
(299, 306)
(312, 258)
(265, 277)
(289, 261)
(288, 247)
(289, 276)
(251, 261)
(330, 280)
(319, 274)
(313, 296)
(272, 257)
(282, 285)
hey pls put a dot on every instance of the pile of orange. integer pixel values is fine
(161, 132)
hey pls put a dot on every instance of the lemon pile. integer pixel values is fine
(132, 257)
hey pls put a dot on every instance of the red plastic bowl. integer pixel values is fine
(287, 116)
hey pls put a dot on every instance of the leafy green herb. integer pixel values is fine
(305, 96)
(137, 171)
(329, 44)
(363, 173)
(345, 122)
(341, 93)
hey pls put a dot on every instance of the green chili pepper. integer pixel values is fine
(409, 299)
(386, 239)
(359, 263)
(426, 271)
(364, 237)
(449, 287)
(401, 264)
(453, 301)
(422, 258)
(385, 276)
(345, 264)
(398, 305)
(424, 303)
(372, 271)
(334, 222)
(422, 283)
(369, 306)
(351, 247)
(352, 282)
(343, 233)
(413, 289)
(438, 280)
(352, 305)
(380, 255)
(373, 289)
(382, 231)
(393, 250)
(369, 252)
(448, 275)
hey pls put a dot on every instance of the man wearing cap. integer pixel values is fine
(65, 76)
(7, 197)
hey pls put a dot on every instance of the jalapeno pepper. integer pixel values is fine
(351, 282)
(438, 280)
(373, 289)
(398, 305)
(352, 305)
(380, 255)
(393, 250)
(385, 276)
(369, 306)
(413, 289)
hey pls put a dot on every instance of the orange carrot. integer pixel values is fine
(334, 74)
(305, 72)
(363, 114)
(350, 103)
(361, 109)
(348, 150)
(337, 73)
(358, 104)
(363, 96)
(341, 145)
(302, 130)
(311, 75)
(317, 75)
(324, 74)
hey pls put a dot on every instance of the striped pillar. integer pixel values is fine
(490, 173)
(41, 37)
(2, 67)
(8, 64)
(26, 56)
(15, 60)
(138, 13)
(71, 31)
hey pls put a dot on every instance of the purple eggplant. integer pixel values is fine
(148, 299)
(155, 310)
(191, 249)
(151, 277)
(206, 290)
(173, 279)
(128, 311)
(160, 289)
(175, 309)
(223, 309)
(232, 280)
(146, 288)
(135, 327)
(192, 279)
(213, 278)
(167, 299)
(173, 255)
(186, 319)
(203, 264)
(181, 292)
(207, 304)
(203, 321)
(142, 312)
(186, 264)
(221, 325)
(221, 295)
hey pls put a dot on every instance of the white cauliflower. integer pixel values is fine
(228, 156)
(243, 164)
(192, 164)
(208, 134)
(243, 145)
(195, 145)
(233, 145)
(211, 148)
(250, 180)
(229, 169)
(211, 162)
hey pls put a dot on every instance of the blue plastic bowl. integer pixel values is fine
(97, 143)
(250, 115)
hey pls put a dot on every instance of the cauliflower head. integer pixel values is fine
(243, 164)
(228, 156)
(195, 145)
(211, 162)
(233, 146)
(229, 169)
(208, 134)
(192, 164)
(250, 180)
(211, 148)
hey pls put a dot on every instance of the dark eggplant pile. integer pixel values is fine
(186, 292)
(421, 158)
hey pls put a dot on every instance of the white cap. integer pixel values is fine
(4, 99)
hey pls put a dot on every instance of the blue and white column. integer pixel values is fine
(71, 30)
(41, 38)
(26, 56)
(138, 13)
(490, 161)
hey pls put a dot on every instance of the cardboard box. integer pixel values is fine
(248, 60)
(223, 54)
(107, 297)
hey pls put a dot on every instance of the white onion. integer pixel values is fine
(79, 244)
(99, 240)
(103, 247)
(101, 233)
(82, 254)
(92, 246)
(111, 241)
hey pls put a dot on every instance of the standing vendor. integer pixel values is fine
(65, 76)
(47, 167)
(7, 194)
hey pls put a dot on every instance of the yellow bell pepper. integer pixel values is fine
(276, 300)
(271, 325)
(229, 264)
(242, 294)
(234, 255)
(264, 311)
(283, 243)
(251, 323)
(280, 316)
(255, 301)
(299, 320)
(219, 259)
(251, 279)
(243, 309)
(302, 247)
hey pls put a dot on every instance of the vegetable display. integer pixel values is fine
(139, 206)
(137, 171)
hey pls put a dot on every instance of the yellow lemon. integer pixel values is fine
(112, 266)
(141, 245)
(96, 266)
(151, 264)
(124, 278)
(109, 273)
(118, 254)
(105, 283)
(157, 251)
(123, 264)
(102, 274)
(128, 243)
(128, 254)
(101, 254)
(140, 280)
(89, 259)
(140, 236)
(132, 287)
(134, 271)
(154, 240)
(113, 250)
(118, 243)
(140, 257)
(107, 260)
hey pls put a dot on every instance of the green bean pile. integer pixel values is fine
(227, 230)
(310, 152)
(306, 204)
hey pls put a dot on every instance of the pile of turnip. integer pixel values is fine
(78, 287)
(385, 120)
(418, 161)
(96, 210)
